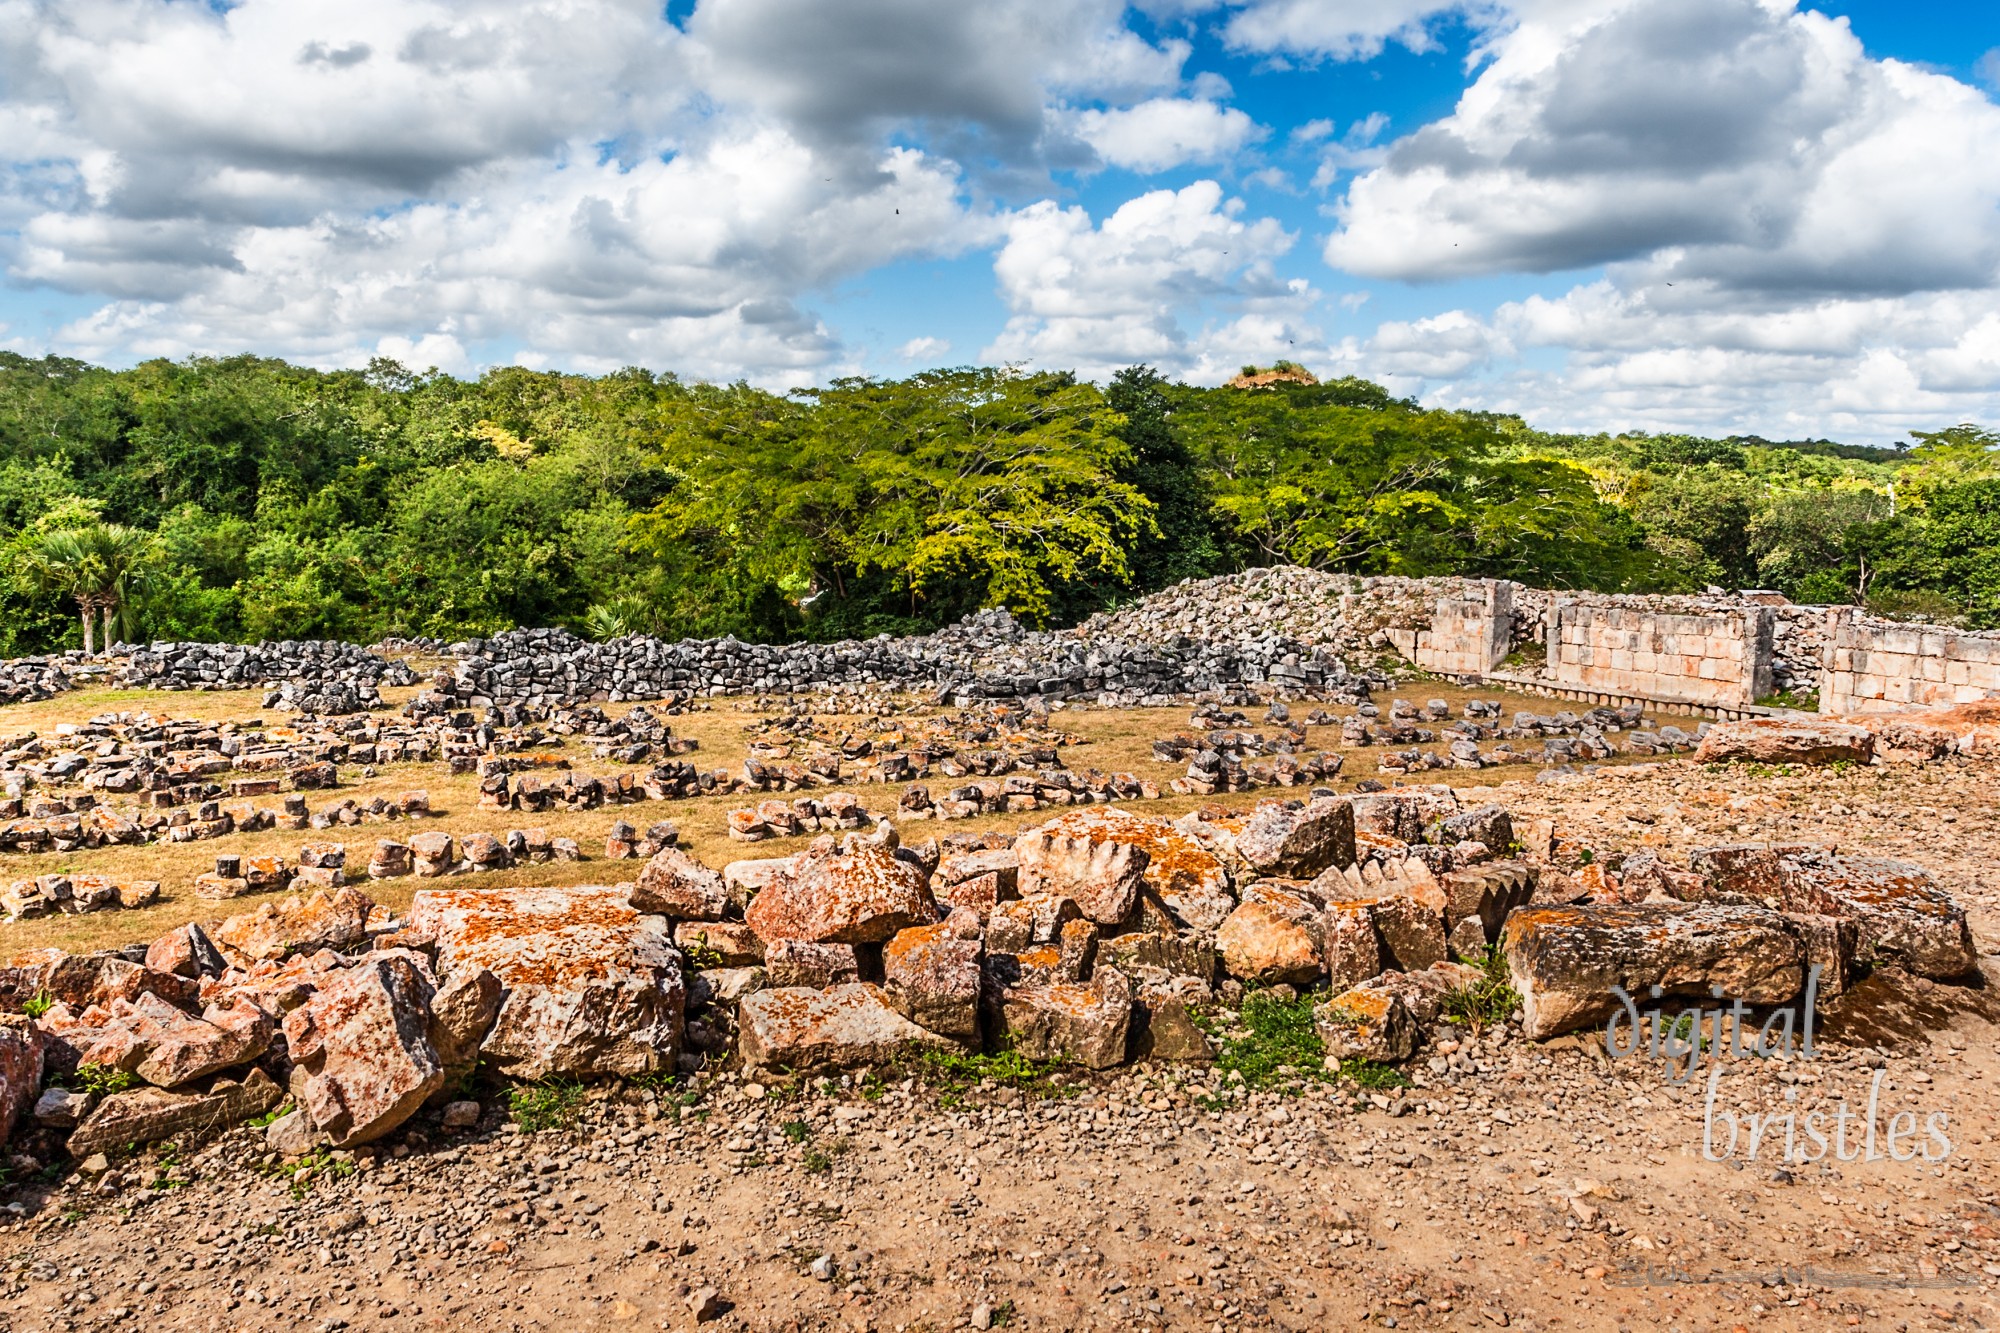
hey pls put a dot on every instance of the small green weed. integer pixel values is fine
(796, 1131)
(1683, 1032)
(700, 955)
(818, 1159)
(1748, 770)
(1372, 1076)
(319, 1164)
(659, 1081)
(102, 1080)
(460, 1085)
(954, 1073)
(38, 1004)
(1279, 1043)
(1487, 1002)
(265, 1120)
(552, 1103)
(1003, 1314)
(1801, 700)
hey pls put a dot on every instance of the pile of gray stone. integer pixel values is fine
(1286, 631)
(312, 675)
(27, 680)
(312, 667)
(986, 656)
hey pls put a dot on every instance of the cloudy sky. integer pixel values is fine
(1696, 214)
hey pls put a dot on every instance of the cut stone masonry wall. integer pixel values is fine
(1879, 666)
(1712, 659)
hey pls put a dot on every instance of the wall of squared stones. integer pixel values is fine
(1707, 659)
(1879, 666)
(1468, 636)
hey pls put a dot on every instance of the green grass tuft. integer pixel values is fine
(1278, 1044)
(953, 1073)
(552, 1103)
(1487, 1002)
(1372, 1076)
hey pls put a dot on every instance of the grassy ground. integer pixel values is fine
(1115, 740)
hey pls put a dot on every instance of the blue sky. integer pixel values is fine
(1713, 215)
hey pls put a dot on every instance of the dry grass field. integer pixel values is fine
(1114, 740)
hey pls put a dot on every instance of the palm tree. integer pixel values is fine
(101, 566)
(126, 554)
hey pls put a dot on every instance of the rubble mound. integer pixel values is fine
(1096, 938)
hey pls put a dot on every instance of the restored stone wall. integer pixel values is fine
(1722, 659)
(1467, 636)
(1879, 666)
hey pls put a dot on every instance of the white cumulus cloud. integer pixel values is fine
(1794, 237)
(924, 349)
(1341, 29)
(577, 180)
(1165, 132)
(1179, 279)
(1731, 141)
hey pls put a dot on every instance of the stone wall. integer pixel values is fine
(317, 675)
(1879, 666)
(1722, 659)
(984, 656)
(1467, 635)
(1285, 630)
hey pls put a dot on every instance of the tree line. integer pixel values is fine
(245, 498)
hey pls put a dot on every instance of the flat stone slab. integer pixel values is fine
(151, 1115)
(1565, 960)
(588, 985)
(1767, 740)
(841, 1027)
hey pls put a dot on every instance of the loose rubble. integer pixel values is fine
(1055, 1039)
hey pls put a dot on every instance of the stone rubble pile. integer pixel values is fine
(309, 675)
(179, 762)
(1341, 612)
(318, 664)
(79, 824)
(71, 894)
(1039, 790)
(173, 761)
(427, 855)
(27, 680)
(986, 656)
(1095, 938)
(1282, 630)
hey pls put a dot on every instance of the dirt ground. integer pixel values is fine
(1515, 1185)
